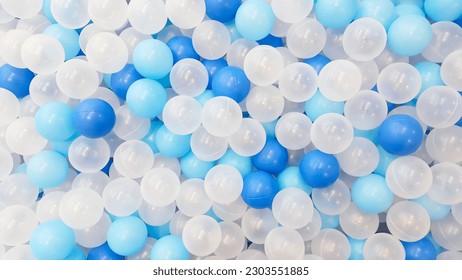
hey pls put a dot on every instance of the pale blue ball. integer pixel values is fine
(169, 247)
(54, 121)
(47, 169)
(292, 178)
(150, 137)
(385, 158)
(171, 144)
(408, 9)
(241, 163)
(127, 235)
(356, 246)
(409, 35)
(336, 13)
(443, 10)
(430, 73)
(329, 221)
(270, 128)
(52, 240)
(77, 254)
(69, 39)
(254, 19)
(381, 10)
(371, 194)
(153, 59)
(319, 105)
(436, 210)
(371, 134)
(146, 98)
(193, 167)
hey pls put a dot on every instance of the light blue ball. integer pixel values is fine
(270, 128)
(153, 59)
(69, 39)
(254, 19)
(319, 105)
(21, 169)
(409, 35)
(171, 144)
(158, 232)
(169, 247)
(62, 147)
(146, 98)
(292, 178)
(385, 158)
(127, 235)
(205, 96)
(381, 10)
(54, 121)
(371, 194)
(371, 134)
(336, 13)
(193, 167)
(231, 25)
(77, 254)
(356, 246)
(408, 9)
(431, 75)
(47, 169)
(150, 137)
(329, 221)
(417, 3)
(52, 240)
(46, 10)
(436, 210)
(241, 163)
(443, 10)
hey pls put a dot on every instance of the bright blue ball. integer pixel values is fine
(15, 80)
(153, 59)
(381, 10)
(169, 247)
(319, 169)
(272, 41)
(400, 135)
(69, 39)
(408, 9)
(232, 82)
(54, 121)
(47, 169)
(385, 158)
(193, 167)
(212, 67)
(409, 35)
(204, 97)
(435, 210)
(356, 246)
(222, 10)
(146, 98)
(150, 137)
(93, 118)
(336, 13)
(443, 10)
(430, 74)
(319, 105)
(254, 19)
(241, 163)
(157, 232)
(419, 250)
(437, 247)
(171, 144)
(182, 47)
(317, 62)
(122, 80)
(371, 194)
(52, 240)
(103, 253)
(127, 235)
(292, 178)
(329, 221)
(77, 254)
(272, 158)
(259, 189)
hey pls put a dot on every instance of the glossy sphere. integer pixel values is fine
(189, 77)
(201, 235)
(126, 236)
(331, 244)
(264, 104)
(18, 223)
(446, 185)
(103, 252)
(263, 65)
(9, 107)
(146, 98)
(122, 80)
(171, 144)
(169, 247)
(182, 47)
(94, 236)
(298, 82)
(185, 14)
(443, 144)
(257, 223)
(292, 208)
(399, 82)
(47, 169)
(193, 199)
(77, 79)
(366, 110)
(212, 67)
(408, 221)
(272, 158)
(249, 139)
(436, 210)
(223, 184)
(332, 200)
(147, 17)
(383, 246)
(254, 19)
(15, 80)
(306, 38)
(12, 42)
(339, 80)
(221, 116)
(408, 35)
(450, 70)
(89, 155)
(319, 105)
(54, 121)
(211, 39)
(71, 15)
(293, 131)
(93, 118)
(107, 52)
(364, 39)
(439, 106)
(17, 189)
(181, 114)
(42, 54)
(291, 11)
(334, 13)
(21, 137)
(332, 133)
(81, 208)
(133, 159)
(231, 81)
(360, 158)
(283, 243)
(422, 249)
(446, 39)
(110, 15)
(446, 233)
(160, 186)
(241, 163)
(52, 240)
(259, 189)
(371, 194)
(153, 59)
(358, 224)
(206, 146)
(443, 10)
(319, 169)
(233, 240)
(400, 135)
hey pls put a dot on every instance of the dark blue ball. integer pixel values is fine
(103, 252)
(93, 118)
(400, 135)
(212, 67)
(232, 82)
(122, 80)
(222, 10)
(272, 158)
(319, 169)
(182, 47)
(271, 40)
(420, 250)
(15, 80)
(259, 189)
(317, 62)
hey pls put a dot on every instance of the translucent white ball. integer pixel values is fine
(42, 54)
(70, 14)
(185, 14)
(298, 82)
(81, 208)
(129, 126)
(202, 235)
(388, 57)
(182, 114)
(160, 186)
(221, 116)
(211, 39)
(96, 181)
(206, 146)
(168, 162)
(447, 37)
(108, 14)
(439, 106)
(332, 200)
(132, 38)
(27, 108)
(332, 133)
(10, 47)
(366, 110)
(408, 221)
(451, 70)
(449, 255)
(22, 8)
(292, 11)
(17, 223)
(306, 38)
(189, 77)
(263, 65)
(168, 33)
(445, 144)
(77, 79)
(456, 211)
(22, 137)
(43, 89)
(249, 139)
(122, 197)
(17, 189)
(87, 33)
(231, 211)
(133, 159)
(399, 82)
(257, 223)
(147, 16)
(358, 224)
(292, 208)
(446, 232)
(94, 236)
(280, 28)
(21, 252)
(287, 56)
(331, 244)
(360, 158)
(232, 242)
(312, 229)
(364, 39)
(283, 243)
(9, 107)
(293, 131)
(339, 80)
(264, 104)
(89, 155)
(193, 199)
(36, 24)
(251, 254)
(223, 183)
(106, 52)
(48, 207)
(238, 51)
(383, 246)
(369, 72)
(177, 223)
(6, 163)
(156, 215)
(447, 183)
(333, 48)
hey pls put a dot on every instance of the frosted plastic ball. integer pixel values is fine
(154, 215)
(409, 177)
(447, 38)
(22, 8)
(48, 207)
(182, 114)
(360, 158)
(211, 39)
(9, 107)
(206, 146)
(87, 33)
(27, 107)
(287, 56)
(263, 65)
(409, 35)
(364, 39)
(265, 104)
(238, 51)
(292, 208)
(332, 133)
(399, 82)
(122, 197)
(456, 211)
(449, 255)
(231, 211)
(408, 221)
(298, 82)
(42, 54)
(177, 223)
(202, 235)
(168, 162)
(283, 243)
(223, 183)
(10, 47)
(94, 236)
(293, 131)
(312, 229)
(22, 137)
(445, 144)
(189, 77)
(221, 116)
(257, 223)
(89, 155)
(147, 16)
(17, 223)
(358, 224)
(388, 57)
(333, 49)
(332, 200)
(331, 244)
(77, 79)
(185, 14)
(21, 252)
(70, 14)
(339, 80)
(133, 159)
(6, 163)
(192, 199)
(446, 232)
(249, 139)
(306, 38)
(17, 189)
(293, 10)
(108, 14)
(81, 208)
(447, 183)
(160, 186)
(383, 246)
(96, 181)
(369, 72)
(106, 52)
(43, 89)
(131, 37)
(366, 110)
(251, 254)
(233, 241)
(439, 106)
(128, 126)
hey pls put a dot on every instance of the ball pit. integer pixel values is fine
(213, 129)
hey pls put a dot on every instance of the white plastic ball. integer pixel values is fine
(446, 232)
(182, 114)
(408, 221)
(280, 28)
(21, 252)
(257, 223)
(206, 146)
(221, 116)
(287, 56)
(42, 54)
(89, 155)
(106, 52)
(22, 8)
(399, 82)
(369, 72)
(383, 246)
(360, 158)
(447, 37)
(77, 79)
(332, 200)
(439, 106)
(233, 241)
(147, 16)
(94, 236)
(43, 89)
(36, 24)
(333, 47)
(306, 38)
(331, 244)
(283, 243)
(312, 229)
(366, 110)
(87, 33)
(10, 47)
(72, 14)
(332, 133)
(96, 181)
(133, 159)
(292, 208)
(122, 197)
(291, 11)
(48, 207)
(108, 14)
(249, 139)
(185, 14)
(177, 223)
(358, 224)
(145, 252)
(22, 137)
(9, 107)
(264, 104)
(293, 131)
(202, 235)
(449, 255)
(364, 39)
(223, 183)
(211, 39)
(263, 65)
(17, 189)
(81, 208)
(231, 211)
(168, 162)
(339, 80)
(156, 215)
(6, 163)
(298, 82)
(129, 126)
(160, 186)
(447, 183)
(445, 144)
(17, 223)
(189, 77)
(456, 210)
(193, 200)
(388, 57)
(238, 51)
(27, 107)
(131, 37)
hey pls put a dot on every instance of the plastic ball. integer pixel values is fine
(263, 65)
(366, 110)
(7, 163)
(110, 15)
(171, 144)
(69, 39)
(291, 177)
(206, 146)
(364, 39)
(129, 126)
(422, 249)
(331, 244)
(292, 248)
(94, 236)
(381, 10)
(443, 10)
(446, 233)
(383, 246)
(358, 224)
(212, 67)
(189, 77)
(181, 114)
(231, 82)
(445, 40)
(22, 8)
(292, 208)
(254, 19)
(193, 199)
(293, 131)
(306, 38)
(81, 208)
(146, 98)
(153, 59)
(122, 197)
(257, 223)
(339, 80)
(185, 14)
(272, 158)
(409, 35)
(319, 169)
(456, 211)
(249, 139)
(332, 133)
(17, 189)
(233, 240)
(9, 107)
(400, 135)
(12, 42)
(298, 82)
(241, 163)
(291, 11)
(436, 210)
(169, 247)
(371, 194)
(15, 80)
(319, 105)
(103, 252)
(160, 186)
(18, 223)
(122, 80)
(77, 79)
(52, 240)
(408, 221)
(89, 155)
(54, 121)
(93, 118)
(127, 235)
(147, 17)
(259, 189)
(449, 255)
(221, 116)
(202, 235)
(106, 52)
(211, 39)
(221, 10)
(399, 82)
(231, 211)
(182, 47)
(42, 54)
(223, 184)
(332, 200)
(446, 184)
(47, 169)
(48, 207)
(265, 104)
(71, 15)
(238, 51)
(439, 106)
